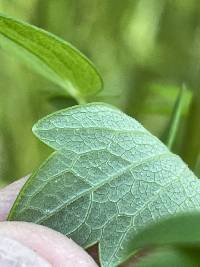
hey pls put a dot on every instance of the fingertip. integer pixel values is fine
(52, 246)
(14, 253)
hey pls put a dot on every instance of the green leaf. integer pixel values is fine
(169, 257)
(178, 230)
(50, 56)
(176, 116)
(107, 180)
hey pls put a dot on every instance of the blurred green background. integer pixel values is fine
(145, 51)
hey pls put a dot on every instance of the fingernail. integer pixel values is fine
(15, 254)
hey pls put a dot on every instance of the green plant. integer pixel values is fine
(110, 181)
(50, 56)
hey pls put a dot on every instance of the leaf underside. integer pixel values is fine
(107, 180)
(51, 56)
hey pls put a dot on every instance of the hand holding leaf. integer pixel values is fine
(107, 180)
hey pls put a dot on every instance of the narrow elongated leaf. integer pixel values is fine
(171, 131)
(169, 257)
(108, 178)
(51, 56)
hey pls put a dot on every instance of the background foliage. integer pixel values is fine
(144, 49)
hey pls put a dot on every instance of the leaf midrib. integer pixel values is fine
(94, 188)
